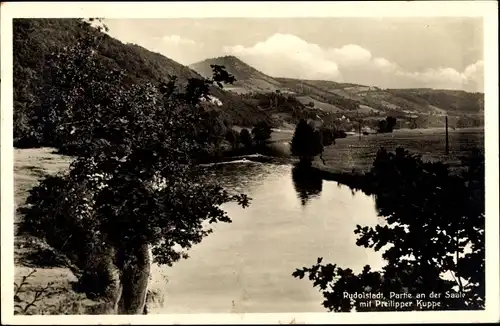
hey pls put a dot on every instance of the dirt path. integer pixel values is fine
(30, 253)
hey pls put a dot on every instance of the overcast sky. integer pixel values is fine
(386, 52)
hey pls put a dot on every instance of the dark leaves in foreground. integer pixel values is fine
(432, 238)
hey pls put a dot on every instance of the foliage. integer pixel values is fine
(23, 306)
(261, 132)
(434, 226)
(232, 137)
(134, 181)
(328, 135)
(246, 138)
(306, 142)
(36, 40)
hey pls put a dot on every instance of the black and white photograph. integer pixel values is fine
(221, 161)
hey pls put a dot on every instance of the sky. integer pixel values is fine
(431, 52)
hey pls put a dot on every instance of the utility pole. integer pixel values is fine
(359, 129)
(447, 146)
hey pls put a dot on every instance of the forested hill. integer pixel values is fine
(344, 97)
(34, 39)
(250, 100)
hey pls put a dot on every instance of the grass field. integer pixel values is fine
(358, 153)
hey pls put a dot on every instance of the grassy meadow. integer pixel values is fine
(354, 152)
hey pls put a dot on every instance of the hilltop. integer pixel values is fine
(248, 79)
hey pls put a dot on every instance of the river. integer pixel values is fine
(246, 266)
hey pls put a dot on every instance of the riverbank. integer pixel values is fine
(346, 163)
(31, 253)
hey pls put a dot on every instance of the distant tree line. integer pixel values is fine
(258, 137)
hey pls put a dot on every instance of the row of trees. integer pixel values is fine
(257, 137)
(133, 191)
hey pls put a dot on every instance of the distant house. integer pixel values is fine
(212, 100)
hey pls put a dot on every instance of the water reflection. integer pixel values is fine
(307, 183)
(245, 266)
(238, 175)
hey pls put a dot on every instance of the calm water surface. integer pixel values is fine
(247, 265)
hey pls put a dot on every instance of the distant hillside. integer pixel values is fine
(360, 101)
(34, 39)
(251, 99)
(247, 77)
(449, 100)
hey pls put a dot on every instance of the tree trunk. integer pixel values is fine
(128, 288)
(113, 290)
(135, 281)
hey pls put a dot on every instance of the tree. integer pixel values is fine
(382, 126)
(413, 123)
(306, 142)
(211, 131)
(431, 217)
(387, 125)
(246, 138)
(261, 133)
(328, 136)
(391, 123)
(133, 193)
(232, 137)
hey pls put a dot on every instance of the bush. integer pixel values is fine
(261, 133)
